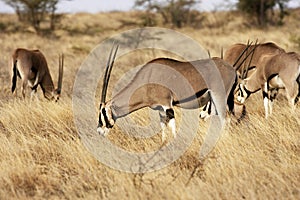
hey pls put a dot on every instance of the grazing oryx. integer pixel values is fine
(31, 67)
(235, 50)
(143, 90)
(276, 71)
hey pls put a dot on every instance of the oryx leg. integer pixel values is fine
(292, 89)
(34, 87)
(24, 86)
(167, 119)
(205, 112)
(34, 93)
(206, 109)
(272, 95)
(266, 99)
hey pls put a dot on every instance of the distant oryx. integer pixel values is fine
(262, 49)
(276, 71)
(144, 93)
(31, 67)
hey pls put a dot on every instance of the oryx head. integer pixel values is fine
(241, 92)
(106, 120)
(47, 86)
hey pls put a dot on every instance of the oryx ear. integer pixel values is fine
(252, 68)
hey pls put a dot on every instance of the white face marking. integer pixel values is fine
(242, 94)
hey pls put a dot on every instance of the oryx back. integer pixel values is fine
(265, 48)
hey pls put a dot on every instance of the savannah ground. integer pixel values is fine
(41, 155)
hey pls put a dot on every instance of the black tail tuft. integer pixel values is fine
(230, 98)
(14, 77)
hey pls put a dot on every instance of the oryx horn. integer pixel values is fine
(222, 53)
(240, 56)
(60, 73)
(208, 52)
(108, 71)
(251, 52)
(245, 72)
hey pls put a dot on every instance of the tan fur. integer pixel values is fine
(146, 89)
(262, 49)
(31, 66)
(276, 71)
(151, 95)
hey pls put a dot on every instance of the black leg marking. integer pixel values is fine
(166, 116)
(265, 94)
(273, 93)
(34, 87)
(170, 113)
(298, 95)
(209, 107)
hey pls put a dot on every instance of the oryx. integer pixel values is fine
(276, 71)
(144, 92)
(261, 49)
(32, 68)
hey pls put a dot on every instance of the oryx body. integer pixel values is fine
(32, 68)
(262, 49)
(276, 71)
(146, 90)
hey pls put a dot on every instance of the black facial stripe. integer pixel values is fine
(241, 91)
(238, 89)
(100, 123)
(247, 92)
(108, 125)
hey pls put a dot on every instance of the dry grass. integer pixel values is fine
(41, 155)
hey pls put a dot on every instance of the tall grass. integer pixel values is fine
(42, 156)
